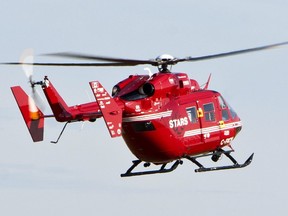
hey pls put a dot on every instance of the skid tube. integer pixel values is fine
(162, 169)
(235, 164)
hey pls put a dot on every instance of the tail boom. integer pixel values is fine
(64, 113)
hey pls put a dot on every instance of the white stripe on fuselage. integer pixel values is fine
(187, 133)
(148, 117)
(212, 129)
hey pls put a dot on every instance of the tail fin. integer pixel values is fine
(111, 112)
(59, 108)
(32, 115)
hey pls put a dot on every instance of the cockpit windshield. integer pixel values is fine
(226, 109)
(233, 113)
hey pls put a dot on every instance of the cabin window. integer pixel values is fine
(209, 112)
(192, 114)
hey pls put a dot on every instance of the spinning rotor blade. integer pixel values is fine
(220, 55)
(38, 100)
(27, 62)
(69, 64)
(111, 61)
(134, 62)
(120, 61)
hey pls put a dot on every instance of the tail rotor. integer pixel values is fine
(27, 60)
(30, 106)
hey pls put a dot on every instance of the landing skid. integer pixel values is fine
(194, 160)
(235, 164)
(162, 169)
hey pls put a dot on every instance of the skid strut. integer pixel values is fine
(55, 142)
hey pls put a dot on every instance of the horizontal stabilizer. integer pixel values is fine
(111, 112)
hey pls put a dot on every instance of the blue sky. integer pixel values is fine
(81, 174)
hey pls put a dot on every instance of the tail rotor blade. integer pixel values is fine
(39, 101)
(33, 110)
(27, 60)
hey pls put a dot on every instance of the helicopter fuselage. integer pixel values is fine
(168, 116)
(162, 118)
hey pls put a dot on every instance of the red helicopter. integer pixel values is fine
(163, 118)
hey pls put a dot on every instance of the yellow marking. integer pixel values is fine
(221, 124)
(200, 113)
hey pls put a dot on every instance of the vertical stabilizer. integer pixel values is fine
(58, 106)
(111, 112)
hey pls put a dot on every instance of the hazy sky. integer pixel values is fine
(81, 174)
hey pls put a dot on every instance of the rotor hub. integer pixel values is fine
(165, 58)
(163, 61)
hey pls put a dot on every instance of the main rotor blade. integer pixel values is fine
(70, 64)
(102, 58)
(238, 52)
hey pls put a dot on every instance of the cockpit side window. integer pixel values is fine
(222, 102)
(224, 109)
